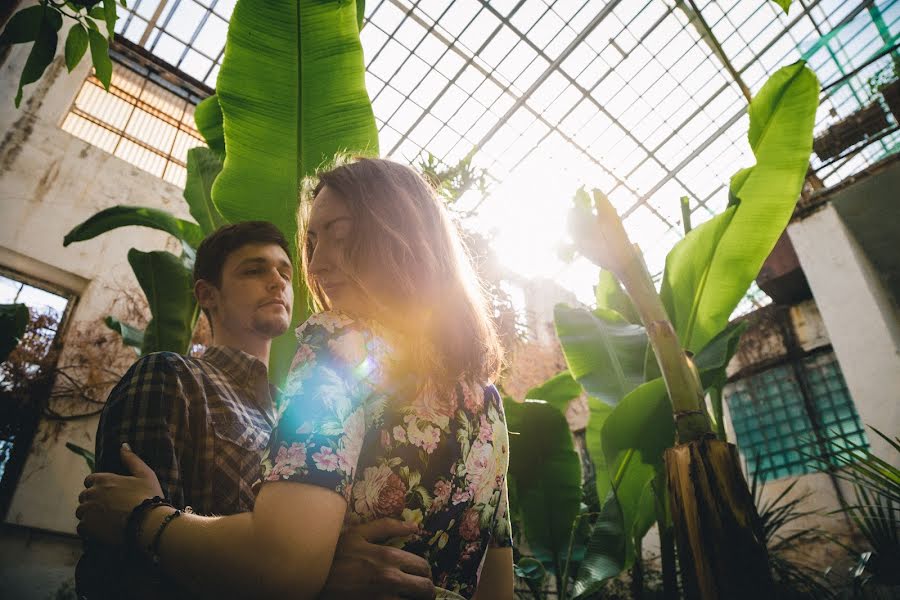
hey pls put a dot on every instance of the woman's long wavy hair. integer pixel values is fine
(424, 282)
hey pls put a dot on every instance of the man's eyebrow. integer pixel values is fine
(252, 260)
(259, 260)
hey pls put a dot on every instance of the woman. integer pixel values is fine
(387, 413)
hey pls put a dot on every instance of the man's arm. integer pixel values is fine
(148, 409)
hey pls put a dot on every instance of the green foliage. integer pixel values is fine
(709, 271)
(776, 515)
(76, 45)
(876, 508)
(167, 283)
(452, 182)
(278, 128)
(100, 56)
(544, 477)
(84, 453)
(203, 166)
(784, 4)
(605, 556)
(208, 118)
(605, 353)
(131, 336)
(13, 321)
(557, 391)
(42, 52)
(124, 216)
(40, 24)
(292, 95)
(610, 296)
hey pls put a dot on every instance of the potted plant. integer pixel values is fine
(864, 123)
(891, 94)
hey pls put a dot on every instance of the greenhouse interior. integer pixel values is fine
(570, 299)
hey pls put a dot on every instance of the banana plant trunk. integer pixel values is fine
(721, 546)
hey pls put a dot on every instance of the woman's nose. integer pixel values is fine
(317, 262)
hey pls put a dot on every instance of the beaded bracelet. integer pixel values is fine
(134, 522)
(153, 548)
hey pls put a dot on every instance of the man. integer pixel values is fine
(202, 424)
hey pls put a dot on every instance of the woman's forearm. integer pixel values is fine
(278, 550)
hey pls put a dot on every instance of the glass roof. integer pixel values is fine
(628, 97)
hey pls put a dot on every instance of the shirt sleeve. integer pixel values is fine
(501, 533)
(321, 431)
(148, 408)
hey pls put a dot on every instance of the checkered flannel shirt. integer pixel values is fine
(202, 424)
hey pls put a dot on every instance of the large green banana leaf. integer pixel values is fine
(131, 336)
(604, 352)
(545, 472)
(125, 216)
(605, 555)
(166, 282)
(208, 118)
(709, 271)
(557, 391)
(203, 166)
(292, 95)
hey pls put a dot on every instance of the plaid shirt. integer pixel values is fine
(202, 424)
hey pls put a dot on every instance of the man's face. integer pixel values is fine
(255, 296)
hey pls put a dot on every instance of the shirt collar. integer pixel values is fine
(245, 369)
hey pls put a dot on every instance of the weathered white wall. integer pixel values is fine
(861, 320)
(49, 182)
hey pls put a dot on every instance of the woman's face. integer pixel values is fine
(329, 231)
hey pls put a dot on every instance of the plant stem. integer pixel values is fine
(666, 539)
(715, 396)
(637, 573)
(686, 214)
(682, 381)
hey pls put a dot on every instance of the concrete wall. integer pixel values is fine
(49, 182)
(860, 317)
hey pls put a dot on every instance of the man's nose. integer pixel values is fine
(276, 281)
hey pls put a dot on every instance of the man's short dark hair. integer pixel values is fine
(215, 248)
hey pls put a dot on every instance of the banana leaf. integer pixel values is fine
(545, 471)
(203, 166)
(292, 95)
(166, 281)
(208, 118)
(604, 352)
(605, 556)
(131, 336)
(125, 216)
(709, 271)
(557, 391)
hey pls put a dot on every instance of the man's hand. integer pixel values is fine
(364, 569)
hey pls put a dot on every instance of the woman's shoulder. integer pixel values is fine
(329, 323)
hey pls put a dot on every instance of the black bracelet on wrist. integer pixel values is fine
(135, 521)
(153, 548)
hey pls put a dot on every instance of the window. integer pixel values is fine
(144, 119)
(775, 431)
(22, 390)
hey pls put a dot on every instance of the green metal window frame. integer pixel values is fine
(777, 429)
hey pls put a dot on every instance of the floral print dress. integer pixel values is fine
(434, 460)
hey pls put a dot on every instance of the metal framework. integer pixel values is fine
(636, 94)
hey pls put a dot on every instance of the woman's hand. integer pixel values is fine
(108, 499)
